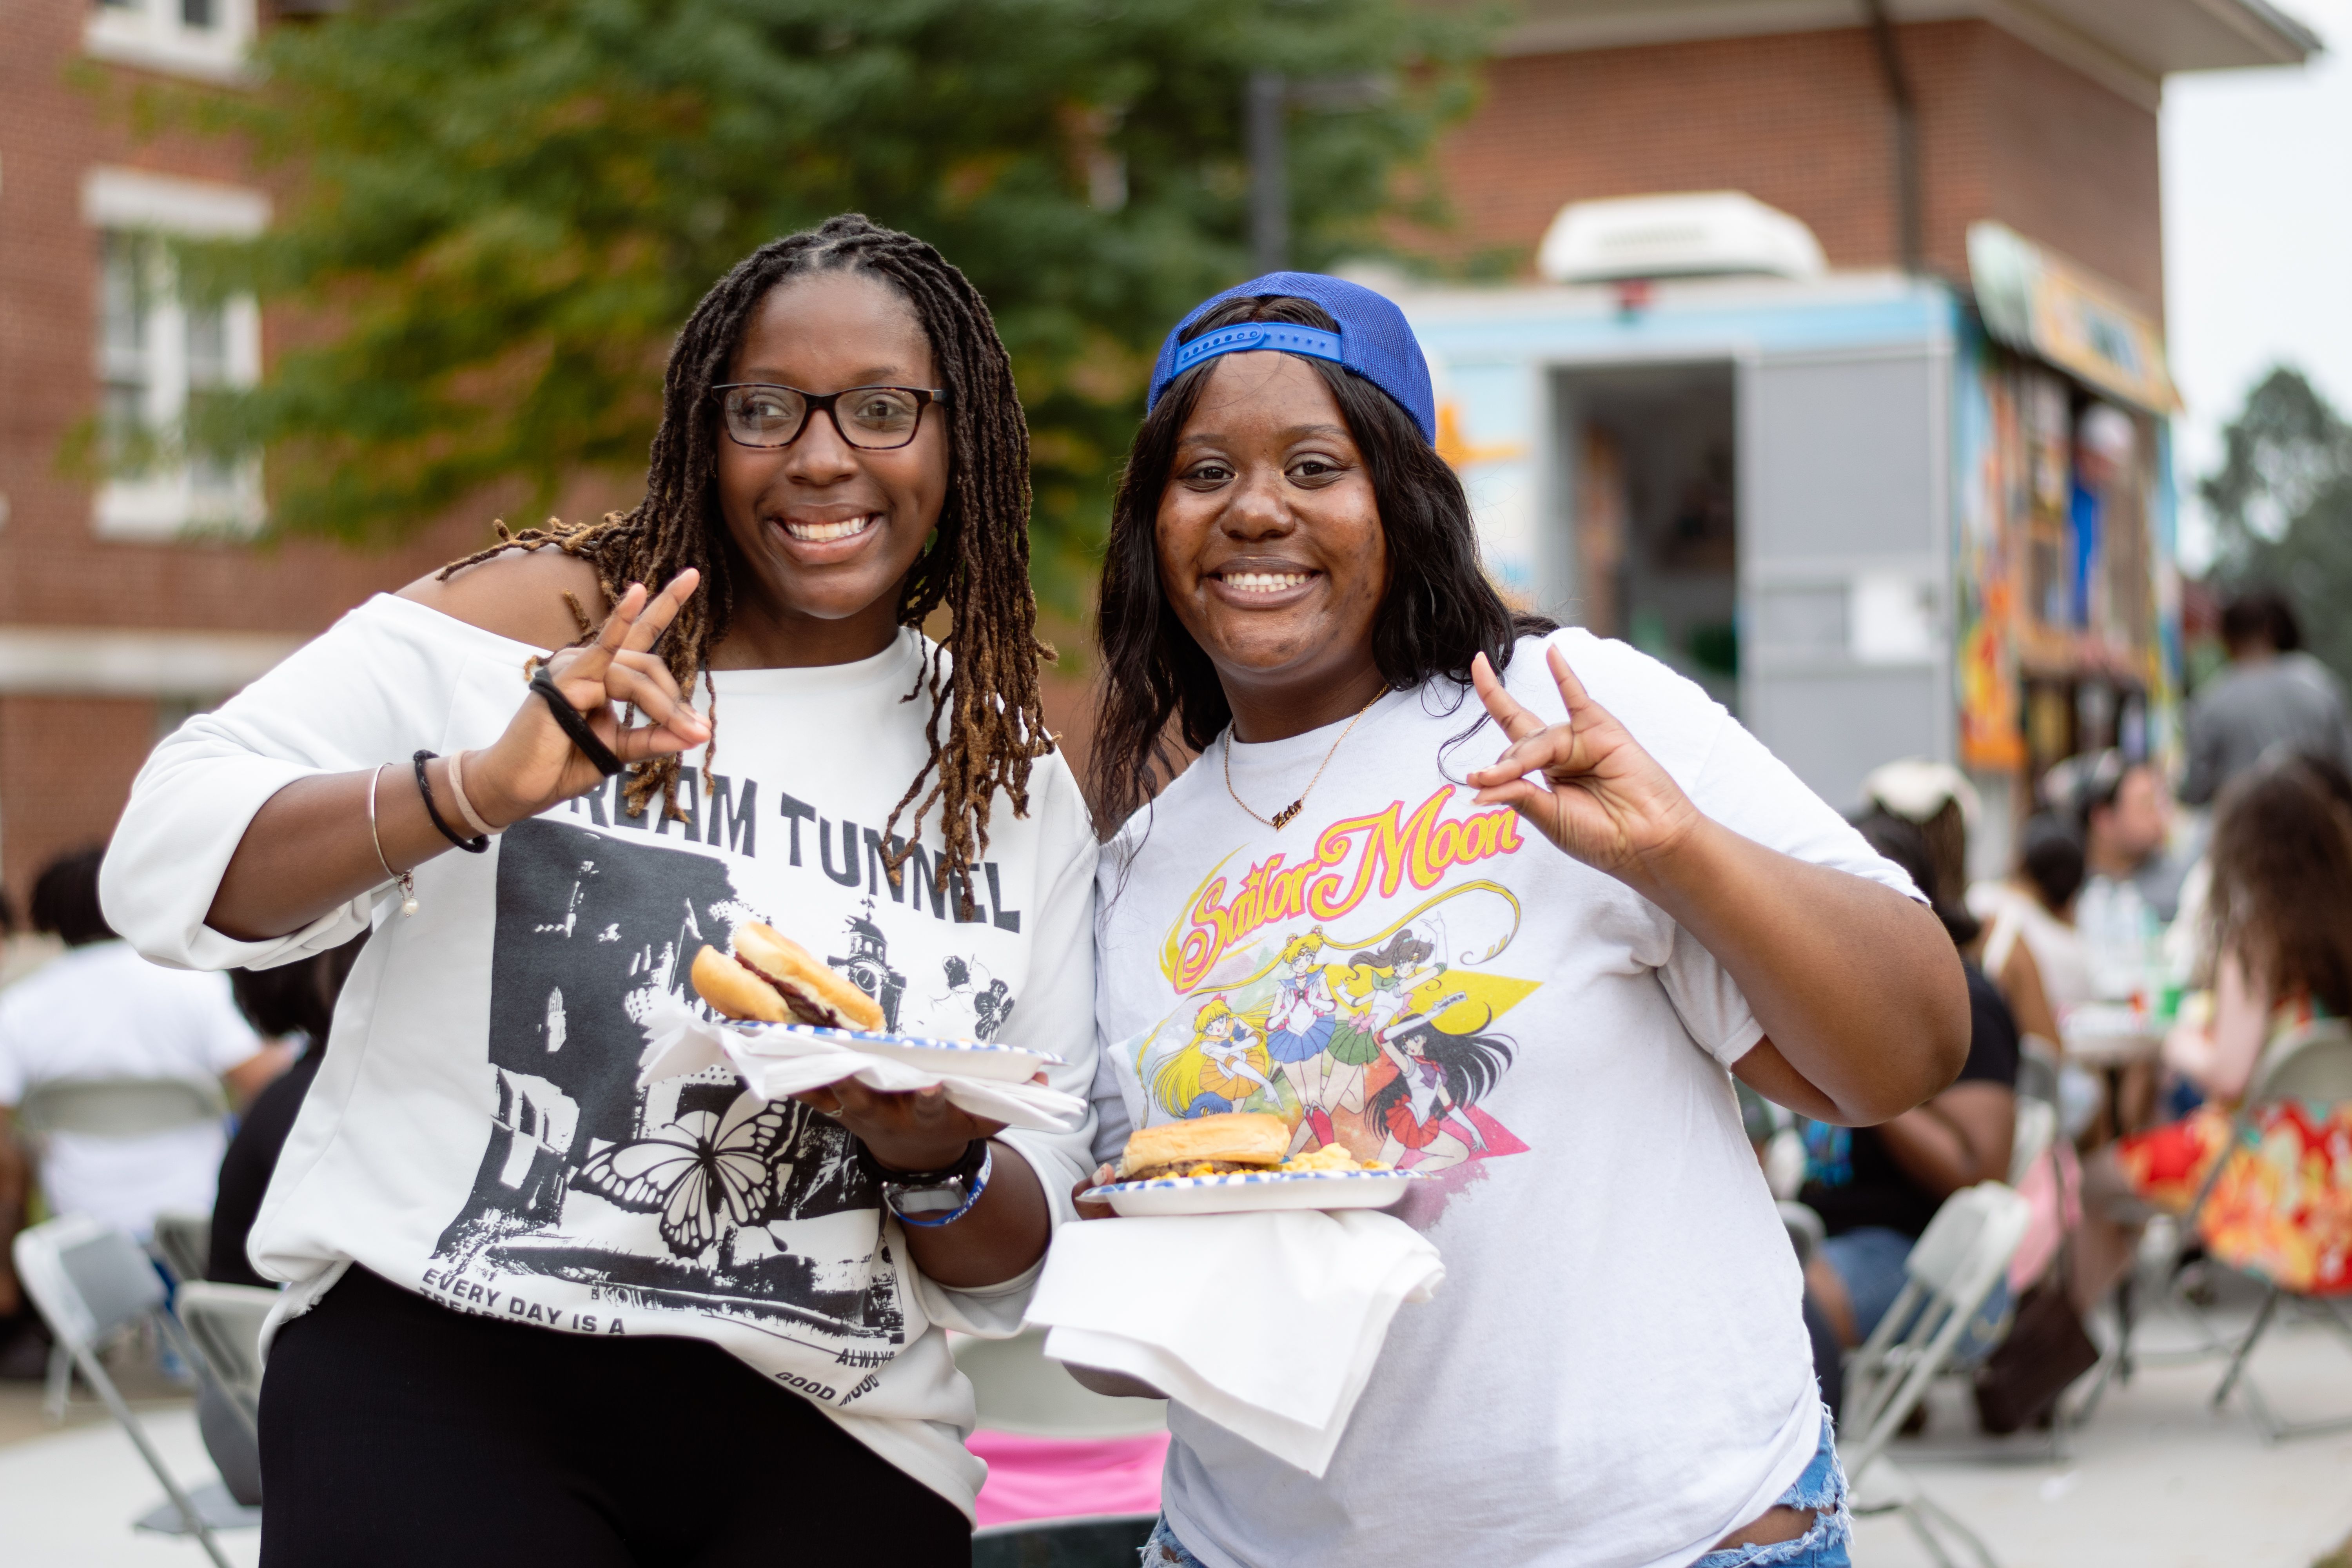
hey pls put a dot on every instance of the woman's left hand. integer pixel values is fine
(920, 1130)
(1603, 799)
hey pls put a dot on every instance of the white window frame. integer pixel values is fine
(154, 35)
(168, 503)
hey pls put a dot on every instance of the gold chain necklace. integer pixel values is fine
(1281, 819)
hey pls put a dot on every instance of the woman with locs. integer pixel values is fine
(717, 1332)
(1617, 1368)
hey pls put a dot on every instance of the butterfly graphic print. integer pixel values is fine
(706, 1174)
(687, 1195)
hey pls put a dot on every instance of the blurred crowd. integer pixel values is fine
(2154, 938)
(92, 1037)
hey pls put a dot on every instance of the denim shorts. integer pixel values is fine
(1820, 1491)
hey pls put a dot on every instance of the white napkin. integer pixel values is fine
(776, 1062)
(1185, 1304)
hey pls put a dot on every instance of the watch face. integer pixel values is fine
(921, 1203)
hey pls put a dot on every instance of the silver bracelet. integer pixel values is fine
(466, 807)
(406, 879)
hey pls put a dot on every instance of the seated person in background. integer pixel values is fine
(294, 1003)
(2281, 911)
(2032, 950)
(101, 1011)
(1876, 1188)
(2122, 814)
(22, 951)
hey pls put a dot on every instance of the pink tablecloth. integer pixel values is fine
(1055, 1477)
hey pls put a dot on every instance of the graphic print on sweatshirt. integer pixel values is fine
(1352, 993)
(689, 1195)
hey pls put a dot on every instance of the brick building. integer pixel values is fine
(123, 605)
(2039, 116)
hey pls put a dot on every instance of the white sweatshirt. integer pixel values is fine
(476, 1134)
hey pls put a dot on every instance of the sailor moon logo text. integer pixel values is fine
(1385, 849)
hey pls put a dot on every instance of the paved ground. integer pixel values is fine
(66, 1500)
(2157, 1480)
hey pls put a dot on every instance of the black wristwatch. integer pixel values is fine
(931, 1198)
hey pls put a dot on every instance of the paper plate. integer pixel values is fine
(967, 1059)
(1255, 1191)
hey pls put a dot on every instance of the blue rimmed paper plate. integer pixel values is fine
(965, 1058)
(1254, 1191)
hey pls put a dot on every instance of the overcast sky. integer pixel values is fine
(2257, 236)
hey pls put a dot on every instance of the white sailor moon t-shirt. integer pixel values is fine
(1615, 1372)
(477, 1134)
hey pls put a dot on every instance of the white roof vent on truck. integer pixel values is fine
(1692, 233)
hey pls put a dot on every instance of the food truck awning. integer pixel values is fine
(2036, 301)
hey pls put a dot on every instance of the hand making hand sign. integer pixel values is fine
(536, 765)
(1601, 797)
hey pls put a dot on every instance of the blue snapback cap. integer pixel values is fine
(1373, 339)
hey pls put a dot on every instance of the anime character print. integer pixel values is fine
(1424, 1090)
(1385, 1044)
(1302, 1022)
(1225, 1068)
(1373, 989)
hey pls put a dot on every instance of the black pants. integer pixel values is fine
(398, 1433)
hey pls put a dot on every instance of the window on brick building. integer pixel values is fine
(163, 351)
(202, 38)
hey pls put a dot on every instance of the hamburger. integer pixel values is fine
(774, 979)
(1206, 1146)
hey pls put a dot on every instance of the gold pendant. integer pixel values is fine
(1282, 817)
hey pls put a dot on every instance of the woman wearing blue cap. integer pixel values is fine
(1632, 902)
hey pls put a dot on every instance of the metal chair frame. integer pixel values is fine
(185, 1243)
(1952, 1270)
(90, 1281)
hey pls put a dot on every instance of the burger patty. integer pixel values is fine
(805, 1004)
(1192, 1168)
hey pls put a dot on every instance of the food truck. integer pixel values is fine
(1877, 515)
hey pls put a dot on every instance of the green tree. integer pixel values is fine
(505, 208)
(2282, 508)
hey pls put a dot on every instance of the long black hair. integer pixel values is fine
(977, 564)
(1472, 1065)
(1438, 613)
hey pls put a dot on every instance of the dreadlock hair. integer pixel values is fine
(1438, 612)
(977, 564)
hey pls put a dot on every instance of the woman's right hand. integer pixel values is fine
(534, 765)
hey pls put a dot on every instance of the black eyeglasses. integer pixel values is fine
(870, 418)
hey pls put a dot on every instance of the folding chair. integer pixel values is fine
(112, 1108)
(185, 1243)
(2037, 1129)
(225, 1323)
(90, 1281)
(120, 1107)
(2313, 1065)
(1952, 1268)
